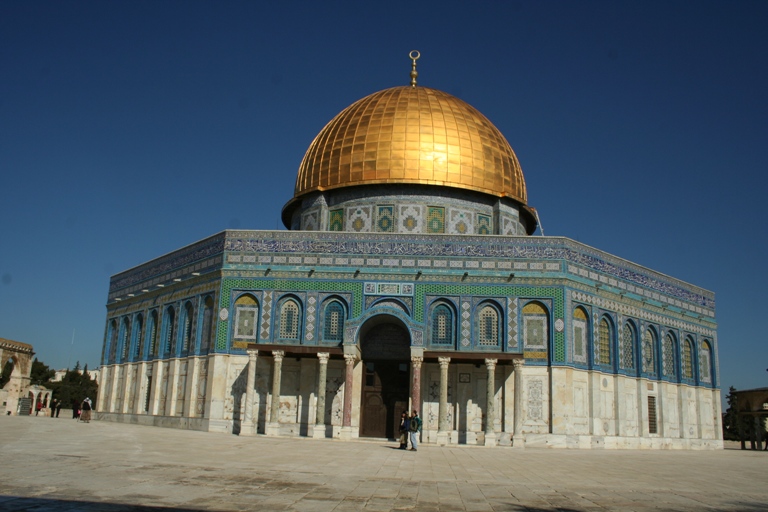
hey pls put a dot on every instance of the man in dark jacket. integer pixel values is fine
(415, 428)
(404, 424)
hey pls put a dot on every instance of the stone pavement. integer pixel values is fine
(59, 464)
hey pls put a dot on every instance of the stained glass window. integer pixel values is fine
(627, 360)
(668, 356)
(435, 219)
(112, 341)
(649, 352)
(442, 325)
(603, 355)
(704, 363)
(688, 359)
(333, 328)
(170, 330)
(138, 328)
(125, 342)
(205, 340)
(289, 320)
(336, 220)
(484, 225)
(186, 340)
(153, 333)
(580, 335)
(488, 326)
(385, 221)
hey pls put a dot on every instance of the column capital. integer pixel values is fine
(443, 361)
(518, 363)
(416, 361)
(350, 359)
(252, 353)
(491, 363)
(278, 355)
(323, 357)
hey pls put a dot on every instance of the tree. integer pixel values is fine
(40, 373)
(75, 387)
(730, 417)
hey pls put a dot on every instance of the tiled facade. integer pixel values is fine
(538, 299)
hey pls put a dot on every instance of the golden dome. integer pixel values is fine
(412, 135)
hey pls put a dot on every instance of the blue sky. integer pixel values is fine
(130, 129)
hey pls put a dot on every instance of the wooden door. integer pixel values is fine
(385, 397)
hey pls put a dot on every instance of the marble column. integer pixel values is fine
(518, 439)
(248, 427)
(416, 384)
(346, 429)
(443, 428)
(322, 377)
(490, 402)
(273, 427)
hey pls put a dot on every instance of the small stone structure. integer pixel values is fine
(17, 387)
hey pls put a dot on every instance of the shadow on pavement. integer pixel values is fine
(22, 504)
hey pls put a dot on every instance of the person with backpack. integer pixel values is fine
(415, 428)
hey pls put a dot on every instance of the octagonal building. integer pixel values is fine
(408, 279)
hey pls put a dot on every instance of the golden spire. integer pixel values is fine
(414, 55)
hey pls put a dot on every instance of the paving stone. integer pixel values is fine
(61, 465)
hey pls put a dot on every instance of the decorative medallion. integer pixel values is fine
(223, 314)
(559, 325)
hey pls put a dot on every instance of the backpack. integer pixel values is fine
(415, 425)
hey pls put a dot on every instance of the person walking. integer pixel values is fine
(85, 416)
(58, 408)
(38, 407)
(414, 427)
(404, 423)
(53, 407)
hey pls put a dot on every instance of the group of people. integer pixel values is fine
(82, 411)
(410, 427)
(55, 408)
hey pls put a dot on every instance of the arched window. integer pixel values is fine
(169, 326)
(688, 358)
(648, 351)
(705, 362)
(125, 339)
(488, 326)
(333, 323)
(205, 340)
(187, 333)
(442, 325)
(138, 336)
(246, 316)
(627, 356)
(112, 337)
(535, 326)
(152, 334)
(580, 335)
(668, 356)
(289, 320)
(603, 352)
